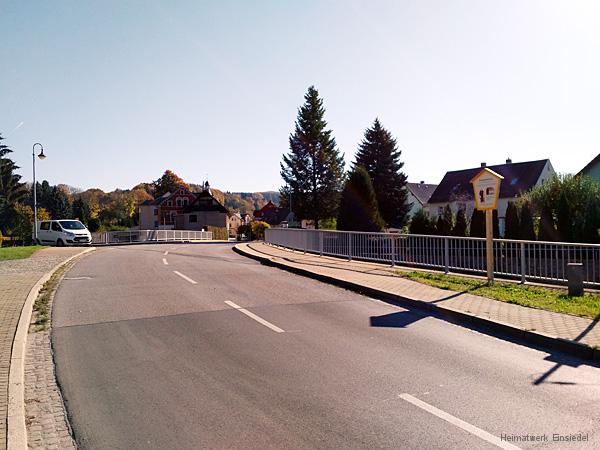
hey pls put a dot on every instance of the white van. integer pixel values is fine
(63, 232)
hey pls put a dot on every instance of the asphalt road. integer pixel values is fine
(152, 351)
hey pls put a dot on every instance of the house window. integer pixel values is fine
(178, 202)
(185, 202)
(156, 211)
(169, 203)
(156, 224)
(193, 218)
(440, 210)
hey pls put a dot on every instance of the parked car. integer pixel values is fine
(63, 233)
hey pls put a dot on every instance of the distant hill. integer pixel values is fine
(247, 202)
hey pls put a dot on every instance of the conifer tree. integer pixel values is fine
(12, 191)
(477, 228)
(421, 223)
(358, 206)
(60, 204)
(445, 222)
(378, 153)
(512, 225)
(547, 231)
(460, 225)
(313, 169)
(563, 218)
(527, 231)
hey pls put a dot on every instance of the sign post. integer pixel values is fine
(486, 188)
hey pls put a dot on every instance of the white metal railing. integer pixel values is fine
(149, 236)
(523, 260)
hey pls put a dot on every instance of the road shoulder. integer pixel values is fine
(49, 260)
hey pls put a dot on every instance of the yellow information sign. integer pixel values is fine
(486, 188)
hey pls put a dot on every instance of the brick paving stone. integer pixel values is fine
(17, 277)
(381, 276)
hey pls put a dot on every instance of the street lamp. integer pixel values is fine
(41, 156)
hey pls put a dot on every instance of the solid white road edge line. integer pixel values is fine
(459, 423)
(184, 277)
(260, 320)
(165, 262)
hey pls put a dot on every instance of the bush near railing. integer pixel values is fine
(218, 233)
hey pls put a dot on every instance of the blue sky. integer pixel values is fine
(119, 91)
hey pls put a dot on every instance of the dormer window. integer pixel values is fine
(178, 201)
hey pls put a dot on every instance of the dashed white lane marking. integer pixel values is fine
(459, 423)
(78, 278)
(260, 320)
(165, 262)
(184, 277)
(166, 253)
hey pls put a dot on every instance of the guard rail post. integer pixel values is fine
(523, 263)
(446, 255)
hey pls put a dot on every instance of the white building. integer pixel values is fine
(456, 190)
(418, 195)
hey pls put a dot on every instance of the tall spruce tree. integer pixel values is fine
(378, 153)
(358, 205)
(313, 170)
(512, 225)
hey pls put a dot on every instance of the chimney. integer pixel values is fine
(483, 164)
(508, 161)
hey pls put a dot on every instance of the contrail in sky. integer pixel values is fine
(16, 128)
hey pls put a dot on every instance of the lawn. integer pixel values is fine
(7, 253)
(525, 295)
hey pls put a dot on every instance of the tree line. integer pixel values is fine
(98, 210)
(316, 187)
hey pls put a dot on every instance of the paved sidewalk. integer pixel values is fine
(17, 277)
(380, 277)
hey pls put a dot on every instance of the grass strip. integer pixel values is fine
(42, 308)
(555, 300)
(8, 253)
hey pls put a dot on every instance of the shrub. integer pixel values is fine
(258, 229)
(218, 233)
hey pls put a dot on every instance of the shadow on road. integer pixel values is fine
(403, 319)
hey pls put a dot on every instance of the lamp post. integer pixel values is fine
(41, 156)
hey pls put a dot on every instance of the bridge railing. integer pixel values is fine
(149, 236)
(516, 259)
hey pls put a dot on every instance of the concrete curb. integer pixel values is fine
(551, 342)
(16, 430)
